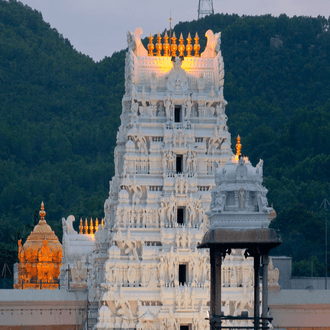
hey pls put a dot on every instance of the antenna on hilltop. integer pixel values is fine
(205, 7)
(170, 20)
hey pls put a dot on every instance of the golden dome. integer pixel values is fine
(40, 257)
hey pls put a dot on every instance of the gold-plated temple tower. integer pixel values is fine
(39, 258)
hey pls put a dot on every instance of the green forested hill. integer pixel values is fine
(60, 113)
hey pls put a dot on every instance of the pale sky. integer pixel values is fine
(98, 27)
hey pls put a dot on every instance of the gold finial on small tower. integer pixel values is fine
(81, 227)
(189, 46)
(102, 223)
(96, 224)
(181, 46)
(86, 226)
(42, 212)
(166, 45)
(238, 148)
(151, 45)
(197, 46)
(91, 227)
(159, 45)
(174, 46)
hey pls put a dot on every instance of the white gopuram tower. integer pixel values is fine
(143, 270)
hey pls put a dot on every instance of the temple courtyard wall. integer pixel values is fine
(42, 310)
(60, 309)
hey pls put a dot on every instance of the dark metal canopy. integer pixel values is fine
(265, 238)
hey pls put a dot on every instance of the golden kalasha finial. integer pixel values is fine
(81, 227)
(151, 45)
(91, 227)
(189, 46)
(42, 212)
(96, 224)
(159, 45)
(166, 45)
(181, 46)
(238, 148)
(197, 45)
(86, 226)
(174, 46)
(102, 223)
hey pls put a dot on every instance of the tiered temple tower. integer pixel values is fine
(143, 270)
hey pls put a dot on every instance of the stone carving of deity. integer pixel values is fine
(171, 210)
(79, 274)
(170, 161)
(162, 212)
(177, 78)
(192, 217)
(162, 269)
(168, 108)
(129, 244)
(122, 305)
(241, 198)
(180, 184)
(188, 105)
(171, 270)
(153, 82)
(191, 161)
(131, 275)
(273, 276)
(201, 82)
(263, 203)
(218, 200)
(165, 162)
(137, 193)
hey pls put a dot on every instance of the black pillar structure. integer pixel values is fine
(265, 262)
(257, 244)
(256, 265)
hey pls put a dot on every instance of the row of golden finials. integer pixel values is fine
(172, 48)
(91, 227)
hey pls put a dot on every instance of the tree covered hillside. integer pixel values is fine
(60, 113)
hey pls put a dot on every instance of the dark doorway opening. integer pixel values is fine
(180, 215)
(177, 114)
(182, 274)
(179, 164)
(184, 327)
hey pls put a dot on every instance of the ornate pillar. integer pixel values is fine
(256, 289)
(265, 262)
(215, 317)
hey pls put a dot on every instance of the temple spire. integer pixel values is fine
(238, 148)
(42, 212)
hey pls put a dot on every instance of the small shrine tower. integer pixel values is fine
(39, 258)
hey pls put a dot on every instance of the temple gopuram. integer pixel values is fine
(39, 258)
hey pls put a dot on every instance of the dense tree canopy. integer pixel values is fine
(60, 113)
